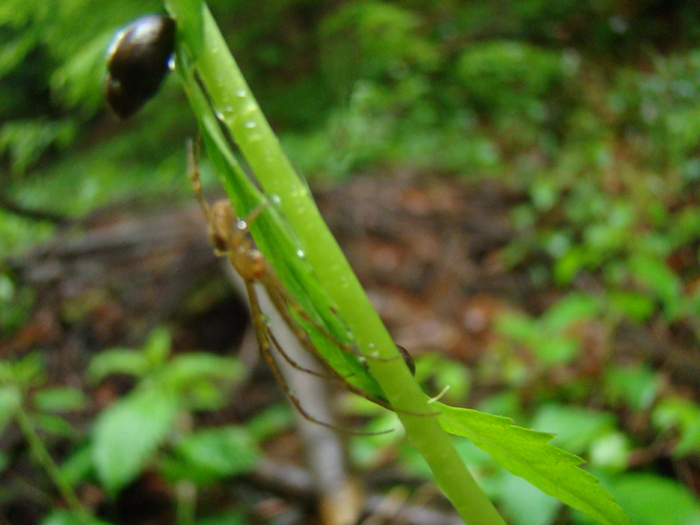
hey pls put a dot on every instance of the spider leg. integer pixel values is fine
(284, 302)
(292, 362)
(230, 236)
(194, 175)
(280, 299)
(262, 332)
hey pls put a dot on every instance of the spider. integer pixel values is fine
(231, 238)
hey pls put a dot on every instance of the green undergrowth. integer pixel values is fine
(150, 429)
(595, 123)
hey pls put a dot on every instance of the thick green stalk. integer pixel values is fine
(237, 109)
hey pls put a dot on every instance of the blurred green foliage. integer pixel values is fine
(591, 108)
(151, 427)
(357, 85)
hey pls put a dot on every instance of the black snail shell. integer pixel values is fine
(138, 62)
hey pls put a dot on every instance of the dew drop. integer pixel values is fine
(240, 93)
(172, 63)
(250, 124)
(275, 198)
(300, 253)
(372, 350)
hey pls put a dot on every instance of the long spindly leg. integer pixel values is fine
(346, 383)
(194, 176)
(231, 238)
(280, 299)
(285, 355)
(264, 337)
(285, 302)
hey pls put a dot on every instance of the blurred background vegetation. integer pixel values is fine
(589, 110)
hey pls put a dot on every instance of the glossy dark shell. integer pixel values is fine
(138, 63)
(408, 359)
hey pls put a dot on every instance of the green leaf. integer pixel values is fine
(525, 504)
(205, 395)
(611, 452)
(517, 325)
(443, 372)
(568, 265)
(25, 372)
(68, 517)
(662, 282)
(638, 306)
(60, 400)
(196, 366)
(117, 361)
(683, 415)
(6, 372)
(269, 422)
(527, 453)
(26, 140)
(157, 347)
(575, 428)
(197, 376)
(218, 452)
(635, 386)
(507, 403)
(556, 350)
(77, 467)
(55, 425)
(653, 500)
(128, 433)
(10, 401)
(571, 309)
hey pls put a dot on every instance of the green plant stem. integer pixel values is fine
(236, 107)
(36, 445)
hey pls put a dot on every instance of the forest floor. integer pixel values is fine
(429, 253)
